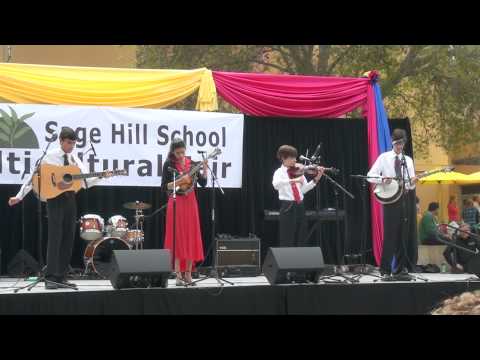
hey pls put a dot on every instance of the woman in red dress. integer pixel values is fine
(453, 209)
(188, 237)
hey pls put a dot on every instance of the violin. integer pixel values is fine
(300, 169)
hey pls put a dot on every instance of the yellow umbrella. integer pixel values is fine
(451, 177)
(475, 177)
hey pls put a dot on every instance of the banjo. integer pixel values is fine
(390, 193)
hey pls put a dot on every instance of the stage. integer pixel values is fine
(248, 296)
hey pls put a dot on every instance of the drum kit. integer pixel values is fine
(116, 235)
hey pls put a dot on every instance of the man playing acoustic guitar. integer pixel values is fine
(62, 211)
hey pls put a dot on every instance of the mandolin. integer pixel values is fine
(185, 182)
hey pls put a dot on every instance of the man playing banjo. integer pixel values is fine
(399, 221)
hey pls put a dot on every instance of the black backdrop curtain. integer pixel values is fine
(239, 211)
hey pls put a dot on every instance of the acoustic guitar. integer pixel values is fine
(51, 177)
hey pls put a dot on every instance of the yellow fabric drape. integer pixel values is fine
(27, 84)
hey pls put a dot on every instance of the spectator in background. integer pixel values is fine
(453, 211)
(476, 204)
(428, 225)
(470, 213)
(467, 303)
(457, 258)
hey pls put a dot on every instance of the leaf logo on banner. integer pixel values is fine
(15, 132)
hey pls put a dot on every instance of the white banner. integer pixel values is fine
(124, 138)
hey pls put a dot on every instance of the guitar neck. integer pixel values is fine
(94, 174)
(197, 167)
(428, 173)
(86, 176)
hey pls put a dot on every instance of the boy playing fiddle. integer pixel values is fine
(291, 188)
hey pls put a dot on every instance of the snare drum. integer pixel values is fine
(91, 227)
(117, 226)
(98, 254)
(134, 236)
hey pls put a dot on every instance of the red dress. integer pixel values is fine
(188, 239)
(452, 212)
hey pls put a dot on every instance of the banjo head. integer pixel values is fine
(387, 190)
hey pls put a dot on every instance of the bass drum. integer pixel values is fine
(99, 253)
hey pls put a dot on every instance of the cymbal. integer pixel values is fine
(137, 205)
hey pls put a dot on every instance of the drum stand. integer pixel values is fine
(139, 217)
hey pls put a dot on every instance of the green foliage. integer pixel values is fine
(436, 86)
(13, 129)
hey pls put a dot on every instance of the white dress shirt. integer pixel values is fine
(385, 166)
(56, 157)
(281, 183)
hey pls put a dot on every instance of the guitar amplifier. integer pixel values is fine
(236, 256)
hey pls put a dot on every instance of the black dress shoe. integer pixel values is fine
(402, 271)
(67, 283)
(385, 273)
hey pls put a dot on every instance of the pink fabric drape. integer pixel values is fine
(299, 96)
(291, 95)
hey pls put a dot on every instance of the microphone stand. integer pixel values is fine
(404, 227)
(41, 278)
(364, 269)
(336, 187)
(174, 197)
(214, 272)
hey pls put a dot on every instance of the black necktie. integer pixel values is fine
(398, 167)
(65, 159)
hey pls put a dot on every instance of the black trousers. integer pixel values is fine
(400, 234)
(292, 224)
(62, 214)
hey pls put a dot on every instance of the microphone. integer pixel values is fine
(304, 158)
(172, 170)
(201, 152)
(93, 149)
(317, 152)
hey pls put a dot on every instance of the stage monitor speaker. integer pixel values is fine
(23, 264)
(293, 265)
(140, 268)
(473, 265)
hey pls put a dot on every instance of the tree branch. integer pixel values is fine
(269, 64)
(339, 58)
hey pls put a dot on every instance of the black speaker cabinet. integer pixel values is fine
(236, 256)
(473, 265)
(293, 265)
(23, 264)
(140, 268)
